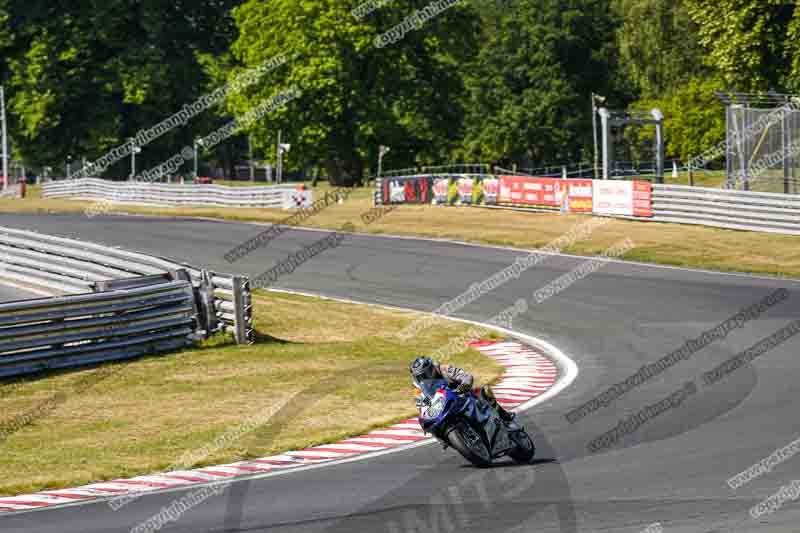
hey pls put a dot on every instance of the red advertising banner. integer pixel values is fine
(580, 196)
(642, 199)
(523, 190)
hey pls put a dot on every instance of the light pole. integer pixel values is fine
(596, 98)
(382, 151)
(197, 142)
(278, 169)
(69, 166)
(282, 149)
(134, 150)
(250, 153)
(5, 136)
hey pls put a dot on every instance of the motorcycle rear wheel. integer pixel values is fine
(469, 443)
(524, 450)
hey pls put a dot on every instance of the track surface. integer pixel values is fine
(672, 470)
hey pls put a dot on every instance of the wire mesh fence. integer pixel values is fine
(763, 143)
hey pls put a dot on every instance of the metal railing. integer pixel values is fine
(276, 196)
(70, 331)
(756, 211)
(60, 266)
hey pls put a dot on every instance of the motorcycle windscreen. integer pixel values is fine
(430, 386)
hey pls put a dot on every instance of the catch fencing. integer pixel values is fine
(279, 196)
(62, 266)
(639, 200)
(763, 143)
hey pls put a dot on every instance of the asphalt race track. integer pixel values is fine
(672, 470)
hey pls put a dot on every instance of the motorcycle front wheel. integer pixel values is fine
(469, 443)
(524, 450)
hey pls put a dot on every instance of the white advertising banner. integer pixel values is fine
(613, 197)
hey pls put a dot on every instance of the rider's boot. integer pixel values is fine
(488, 395)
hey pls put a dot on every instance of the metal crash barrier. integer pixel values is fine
(129, 302)
(70, 331)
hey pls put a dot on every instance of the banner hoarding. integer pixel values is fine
(642, 199)
(465, 190)
(441, 189)
(580, 196)
(625, 198)
(524, 190)
(490, 189)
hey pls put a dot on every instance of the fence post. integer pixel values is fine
(786, 153)
(243, 311)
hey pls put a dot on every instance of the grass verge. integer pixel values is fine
(670, 244)
(329, 370)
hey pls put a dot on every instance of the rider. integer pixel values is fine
(424, 368)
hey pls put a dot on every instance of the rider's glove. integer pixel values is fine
(464, 388)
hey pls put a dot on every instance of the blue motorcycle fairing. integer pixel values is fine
(454, 404)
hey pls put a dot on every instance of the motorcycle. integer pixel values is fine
(470, 426)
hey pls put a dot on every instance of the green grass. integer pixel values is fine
(327, 370)
(714, 179)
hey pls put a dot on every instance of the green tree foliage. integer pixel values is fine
(748, 41)
(500, 81)
(658, 46)
(662, 57)
(356, 96)
(83, 77)
(530, 85)
(694, 120)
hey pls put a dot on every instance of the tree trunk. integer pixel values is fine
(343, 173)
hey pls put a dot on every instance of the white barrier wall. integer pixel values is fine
(745, 210)
(278, 196)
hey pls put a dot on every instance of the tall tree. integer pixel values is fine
(531, 82)
(658, 46)
(84, 76)
(357, 95)
(747, 40)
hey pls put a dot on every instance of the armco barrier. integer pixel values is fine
(278, 196)
(639, 200)
(69, 331)
(59, 266)
(744, 210)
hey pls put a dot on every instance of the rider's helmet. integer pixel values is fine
(422, 368)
